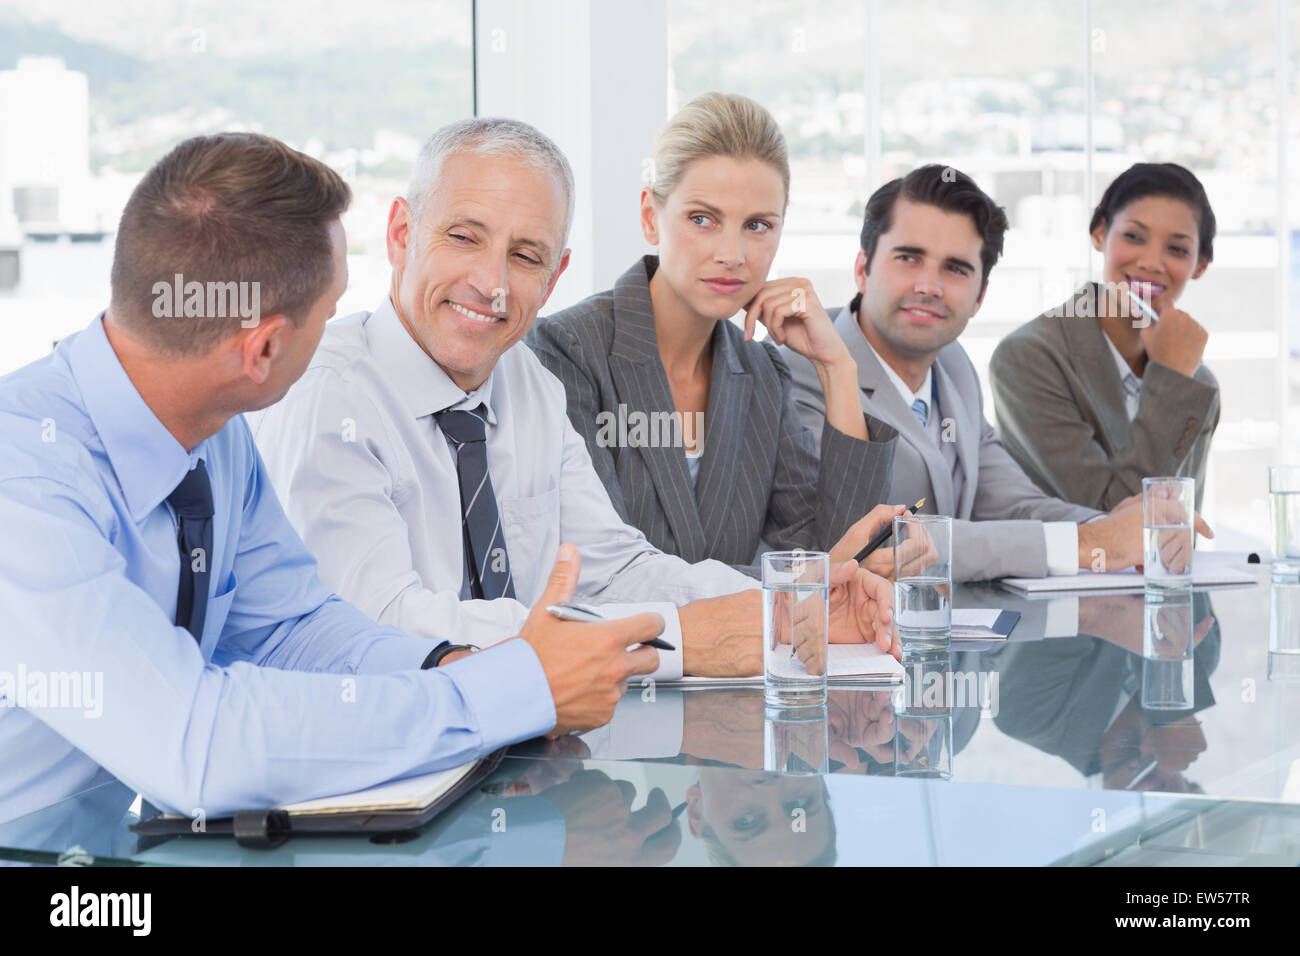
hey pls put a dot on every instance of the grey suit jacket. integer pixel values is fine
(1060, 409)
(759, 475)
(999, 531)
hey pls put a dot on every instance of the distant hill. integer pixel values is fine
(339, 96)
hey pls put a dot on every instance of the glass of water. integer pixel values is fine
(796, 628)
(923, 581)
(1284, 490)
(1284, 630)
(1168, 513)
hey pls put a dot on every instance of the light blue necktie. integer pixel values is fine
(922, 413)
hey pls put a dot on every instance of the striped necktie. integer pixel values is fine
(485, 546)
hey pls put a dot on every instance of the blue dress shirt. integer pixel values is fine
(291, 694)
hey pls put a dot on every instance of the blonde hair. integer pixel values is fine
(717, 124)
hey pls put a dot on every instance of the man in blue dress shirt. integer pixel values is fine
(164, 623)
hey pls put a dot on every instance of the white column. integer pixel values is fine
(536, 60)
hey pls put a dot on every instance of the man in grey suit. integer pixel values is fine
(929, 242)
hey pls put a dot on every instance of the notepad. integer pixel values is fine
(1207, 571)
(412, 793)
(409, 794)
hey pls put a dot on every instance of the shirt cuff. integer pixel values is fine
(1062, 539)
(670, 662)
(506, 689)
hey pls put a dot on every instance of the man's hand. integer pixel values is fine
(586, 665)
(723, 636)
(1114, 542)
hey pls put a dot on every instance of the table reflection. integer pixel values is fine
(1089, 698)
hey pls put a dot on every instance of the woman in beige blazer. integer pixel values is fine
(659, 348)
(1092, 396)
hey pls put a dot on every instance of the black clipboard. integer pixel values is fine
(263, 829)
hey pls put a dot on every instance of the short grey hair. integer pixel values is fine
(489, 136)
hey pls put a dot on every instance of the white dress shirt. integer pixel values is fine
(366, 476)
(1060, 537)
(1132, 384)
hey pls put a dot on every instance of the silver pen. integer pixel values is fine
(1143, 306)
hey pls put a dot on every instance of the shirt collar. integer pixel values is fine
(925, 393)
(147, 459)
(422, 383)
(1122, 366)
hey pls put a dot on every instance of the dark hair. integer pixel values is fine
(1158, 179)
(952, 191)
(223, 210)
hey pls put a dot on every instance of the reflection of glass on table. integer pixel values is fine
(795, 741)
(1168, 666)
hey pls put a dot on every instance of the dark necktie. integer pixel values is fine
(485, 546)
(192, 502)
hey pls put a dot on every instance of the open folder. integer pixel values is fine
(397, 805)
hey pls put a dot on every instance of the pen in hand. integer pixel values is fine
(577, 612)
(884, 534)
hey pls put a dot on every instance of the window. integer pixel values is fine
(866, 91)
(89, 99)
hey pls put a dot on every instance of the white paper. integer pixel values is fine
(846, 662)
(1208, 570)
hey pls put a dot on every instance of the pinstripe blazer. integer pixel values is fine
(759, 476)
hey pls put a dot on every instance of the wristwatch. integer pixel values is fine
(442, 650)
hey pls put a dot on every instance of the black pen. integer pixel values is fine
(581, 613)
(677, 812)
(885, 533)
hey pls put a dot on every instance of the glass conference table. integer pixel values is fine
(1056, 746)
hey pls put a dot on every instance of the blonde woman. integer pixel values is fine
(736, 468)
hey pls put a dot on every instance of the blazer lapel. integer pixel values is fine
(883, 401)
(966, 422)
(1090, 355)
(724, 430)
(643, 389)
